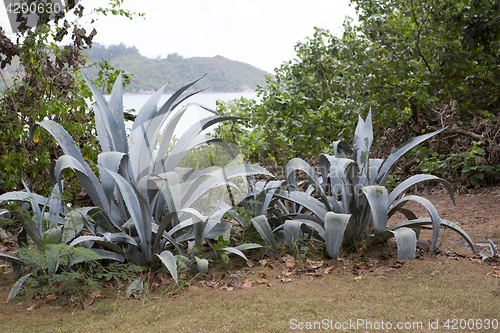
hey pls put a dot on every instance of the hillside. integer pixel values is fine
(222, 74)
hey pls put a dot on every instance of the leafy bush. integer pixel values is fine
(47, 85)
(338, 205)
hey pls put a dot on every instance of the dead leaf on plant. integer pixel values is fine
(314, 264)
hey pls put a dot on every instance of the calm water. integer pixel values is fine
(193, 114)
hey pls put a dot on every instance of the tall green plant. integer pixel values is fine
(150, 204)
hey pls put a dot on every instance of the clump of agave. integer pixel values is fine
(350, 192)
(145, 205)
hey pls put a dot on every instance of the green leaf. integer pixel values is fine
(407, 243)
(436, 220)
(418, 179)
(335, 225)
(363, 138)
(234, 250)
(427, 221)
(377, 199)
(137, 285)
(202, 265)
(387, 166)
(17, 286)
(168, 259)
(263, 228)
(291, 229)
(139, 211)
(493, 249)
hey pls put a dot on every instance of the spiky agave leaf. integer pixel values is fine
(335, 226)
(139, 211)
(428, 221)
(377, 199)
(406, 241)
(17, 286)
(293, 234)
(391, 160)
(436, 220)
(110, 123)
(363, 138)
(298, 164)
(264, 229)
(416, 179)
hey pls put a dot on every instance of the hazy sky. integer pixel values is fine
(259, 32)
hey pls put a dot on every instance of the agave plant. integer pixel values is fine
(150, 203)
(349, 193)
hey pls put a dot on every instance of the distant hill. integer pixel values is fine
(222, 74)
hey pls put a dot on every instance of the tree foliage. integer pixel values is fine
(403, 59)
(47, 86)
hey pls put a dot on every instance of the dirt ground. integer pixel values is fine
(477, 213)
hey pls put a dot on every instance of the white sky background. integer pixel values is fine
(262, 33)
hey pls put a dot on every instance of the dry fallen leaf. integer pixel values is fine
(33, 307)
(51, 297)
(236, 281)
(328, 270)
(313, 264)
(288, 272)
(246, 284)
(263, 262)
(250, 263)
(360, 265)
(262, 281)
(95, 294)
(288, 260)
(89, 301)
(358, 278)
(262, 275)
(496, 274)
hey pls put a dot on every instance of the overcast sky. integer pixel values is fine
(259, 32)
